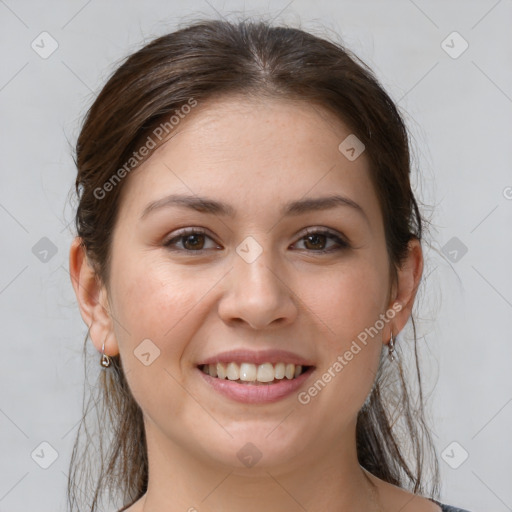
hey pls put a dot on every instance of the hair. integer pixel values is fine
(204, 61)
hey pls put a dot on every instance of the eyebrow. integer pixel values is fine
(212, 206)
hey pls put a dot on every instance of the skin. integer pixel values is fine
(255, 155)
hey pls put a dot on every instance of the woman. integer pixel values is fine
(248, 249)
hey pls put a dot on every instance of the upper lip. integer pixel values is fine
(257, 357)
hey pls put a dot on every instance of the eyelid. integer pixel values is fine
(187, 231)
(324, 231)
(340, 239)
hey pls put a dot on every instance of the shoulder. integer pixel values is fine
(395, 498)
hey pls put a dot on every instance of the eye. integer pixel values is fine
(317, 237)
(193, 240)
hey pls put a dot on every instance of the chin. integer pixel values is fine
(257, 447)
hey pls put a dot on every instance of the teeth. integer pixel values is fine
(279, 369)
(233, 371)
(265, 372)
(248, 372)
(221, 370)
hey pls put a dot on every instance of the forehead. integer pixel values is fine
(254, 154)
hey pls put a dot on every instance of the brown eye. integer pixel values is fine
(315, 241)
(191, 240)
(194, 241)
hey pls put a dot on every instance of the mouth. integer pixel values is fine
(255, 377)
(257, 382)
(254, 374)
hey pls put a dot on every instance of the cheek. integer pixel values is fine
(346, 312)
(154, 321)
(152, 304)
(145, 308)
(163, 303)
(347, 304)
(346, 301)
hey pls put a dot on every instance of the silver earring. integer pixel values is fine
(391, 347)
(105, 359)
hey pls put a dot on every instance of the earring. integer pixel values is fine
(391, 347)
(105, 359)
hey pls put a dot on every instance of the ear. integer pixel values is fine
(92, 299)
(408, 280)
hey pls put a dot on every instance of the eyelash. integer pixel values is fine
(342, 244)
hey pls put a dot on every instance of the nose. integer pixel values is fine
(258, 293)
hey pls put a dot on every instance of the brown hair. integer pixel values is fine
(202, 61)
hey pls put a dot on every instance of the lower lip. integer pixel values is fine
(256, 394)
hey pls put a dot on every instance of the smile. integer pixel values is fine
(255, 391)
(266, 373)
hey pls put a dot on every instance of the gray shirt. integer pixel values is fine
(448, 508)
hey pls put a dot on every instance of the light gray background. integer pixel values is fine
(459, 113)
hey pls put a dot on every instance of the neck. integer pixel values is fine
(330, 479)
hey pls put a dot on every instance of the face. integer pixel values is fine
(258, 279)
